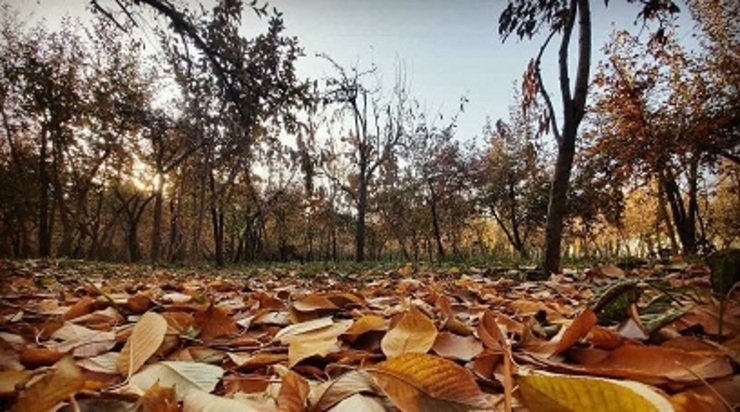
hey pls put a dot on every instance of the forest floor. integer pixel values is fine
(82, 336)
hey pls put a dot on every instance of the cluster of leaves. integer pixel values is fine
(409, 338)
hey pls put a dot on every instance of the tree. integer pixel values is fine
(667, 115)
(234, 115)
(526, 18)
(512, 181)
(377, 131)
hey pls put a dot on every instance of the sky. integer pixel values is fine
(448, 49)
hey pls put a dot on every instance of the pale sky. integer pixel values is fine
(449, 48)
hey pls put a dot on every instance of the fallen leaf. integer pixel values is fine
(82, 307)
(293, 393)
(359, 403)
(459, 347)
(367, 323)
(64, 380)
(215, 322)
(552, 392)
(665, 365)
(419, 382)
(287, 334)
(256, 361)
(105, 363)
(333, 392)
(144, 341)
(33, 357)
(159, 399)
(139, 303)
(604, 338)
(314, 302)
(200, 401)
(9, 380)
(577, 330)
(302, 349)
(183, 376)
(414, 333)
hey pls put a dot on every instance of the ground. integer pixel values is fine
(90, 336)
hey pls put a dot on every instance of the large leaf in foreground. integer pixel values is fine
(54, 387)
(184, 376)
(420, 382)
(414, 333)
(200, 401)
(551, 392)
(144, 341)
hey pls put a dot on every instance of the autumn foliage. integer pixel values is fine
(418, 340)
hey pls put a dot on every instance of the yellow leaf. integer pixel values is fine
(9, 380)
(65, 380)
(366, 324)
(418, 382)
(302, 349)
(552, 392)
(415, 333)
(144, 341)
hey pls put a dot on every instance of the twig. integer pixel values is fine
(711, 388)
(74, 404)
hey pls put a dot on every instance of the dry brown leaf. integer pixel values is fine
(33, 357)
(215, 322)
(418, 382)
(63, 381)
(159, 399)
(344, 299)
(144, 341)
(200, 401)
(577, 330)
(314, 302)
(293, 393)
(414, 333)
(604, 338)
(611, 271)
(9, 380)
(82, 307)
(289, 333)
(665, 365)
(347, 385)
(709, 398)
(302, 349)
(139, 303)
(454, 346)
(105, 363)
(359, 403)
(255, 361)
(489, 332)
(367, 323)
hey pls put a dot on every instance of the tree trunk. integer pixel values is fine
(558, 204)
(573, 110)
(684, 220)
(45, 224)
(156, 245)
(361, 215)
(435, 224)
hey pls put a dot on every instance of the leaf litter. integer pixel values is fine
(80, 337)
